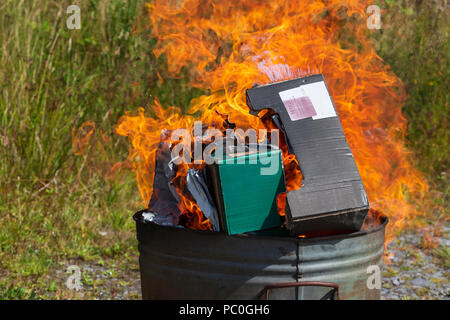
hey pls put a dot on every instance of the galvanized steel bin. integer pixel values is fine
(178, 263)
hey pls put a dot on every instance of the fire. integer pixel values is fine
(228, 46)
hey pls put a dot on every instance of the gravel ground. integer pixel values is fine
(415, 272)
(100, 281)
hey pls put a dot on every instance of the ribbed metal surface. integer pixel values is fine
(344, 261)
(178, 263)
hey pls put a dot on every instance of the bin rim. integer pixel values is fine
(384, 221)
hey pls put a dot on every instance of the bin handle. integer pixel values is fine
(265, 293)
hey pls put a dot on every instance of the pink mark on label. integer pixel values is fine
(299, 108)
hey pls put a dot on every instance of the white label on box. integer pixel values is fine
(309, 100)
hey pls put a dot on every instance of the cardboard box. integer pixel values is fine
(332, 198)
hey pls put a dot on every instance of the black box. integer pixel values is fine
(332, 198)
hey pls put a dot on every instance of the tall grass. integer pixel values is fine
(53, 204)
(415, 43)
(53, 79)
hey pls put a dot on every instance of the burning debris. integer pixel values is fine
(196, 184)
(163, 205)
(233, 190)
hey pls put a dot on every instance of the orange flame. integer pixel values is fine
(228, 46)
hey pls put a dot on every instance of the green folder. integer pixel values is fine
(245, 189)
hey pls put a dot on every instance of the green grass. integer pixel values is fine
(11, 293)
(58, 209)
(442, 256)
(53, 204)
(415, 43)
